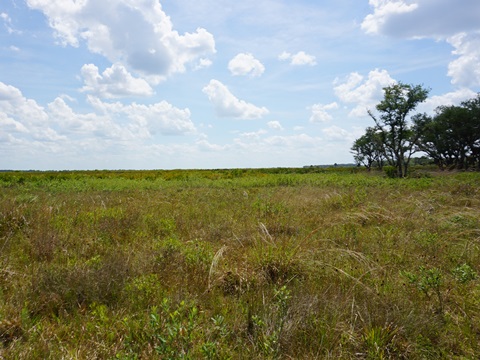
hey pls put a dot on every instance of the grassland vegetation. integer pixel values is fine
(239, 264)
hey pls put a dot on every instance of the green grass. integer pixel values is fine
(239, 264)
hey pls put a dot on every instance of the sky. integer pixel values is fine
(182, 84)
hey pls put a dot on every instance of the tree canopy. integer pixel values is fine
(451, 138)
(392, 125)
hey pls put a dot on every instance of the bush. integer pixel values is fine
(390, 171)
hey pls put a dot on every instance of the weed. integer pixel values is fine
(428, 281)
(380, 342)
(464, 273)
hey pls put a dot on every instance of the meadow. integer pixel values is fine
(302, 263)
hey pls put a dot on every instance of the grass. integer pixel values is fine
(239, 264)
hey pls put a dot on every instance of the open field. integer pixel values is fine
(239, 264)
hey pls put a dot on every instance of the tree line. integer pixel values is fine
(450, 138)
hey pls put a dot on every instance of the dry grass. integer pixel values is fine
(239, 264)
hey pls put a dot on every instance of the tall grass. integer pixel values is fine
(256, 264)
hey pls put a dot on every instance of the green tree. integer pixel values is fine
(368, 149)
(452, 137)
(392, 123)
(472, 130)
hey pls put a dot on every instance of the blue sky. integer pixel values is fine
(154, 84)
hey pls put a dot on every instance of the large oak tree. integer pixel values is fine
(452, 137)
(393, 125)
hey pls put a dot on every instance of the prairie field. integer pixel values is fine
(305, 263)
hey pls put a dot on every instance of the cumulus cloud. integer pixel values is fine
(335, 133)
(253, 135)
(465, 71)
(275, 125)
(444, 20)
(227, 105)
(245, 64)
(448, 99)
(385, 10)
(320, 112)
(422, 18)
(364, 93)
(114, 82)
(149, 45)
(293, 141)
(205, 145)
(159, 118)
(22, 115)
(300, 58)
(75, 125)
(256, 142)
(203, 63)
(30, 126)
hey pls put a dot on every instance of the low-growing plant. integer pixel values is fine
(464, 273)
(428, 281)
(380, 342)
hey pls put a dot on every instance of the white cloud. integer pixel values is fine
(422, 18)
(7, 21)
(320, 112)
(227, 105)
(13, 103)
(58, 127)
(10, 125)
(385, 10)
(448, 99)
(245, 64)
(364, 93)
(465, 71)
(24, 116)
(89, 125)
(300, 58)
(253, 135)
(335, 133)
(445, 20)
(275, 125)
(255, 142)
(136, 33)
(203, 63)
(293, 141)
(114, 82)
(205, 145)
(159, 118)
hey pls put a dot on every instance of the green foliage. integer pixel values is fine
(380, 342)
(368, 149)
(173, 329)
(452, 137)
(428, 281)
(464, 273)
(393, 138)
(267, 334)
(390, 171)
